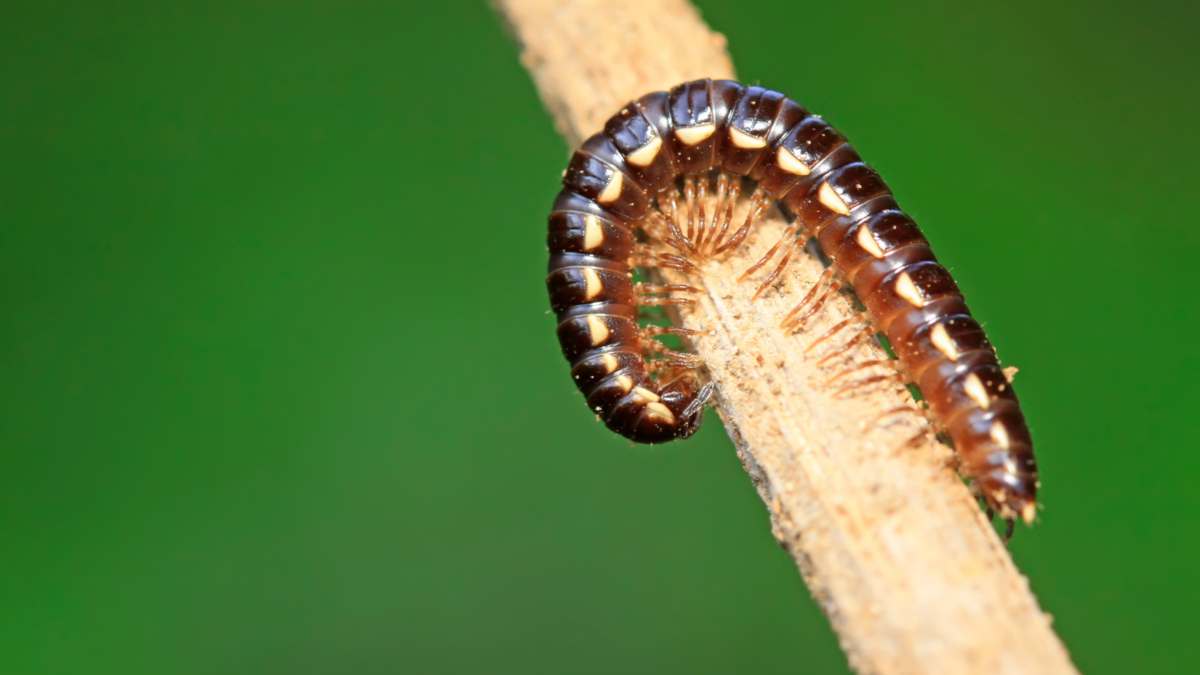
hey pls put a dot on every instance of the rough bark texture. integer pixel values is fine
(889, 540)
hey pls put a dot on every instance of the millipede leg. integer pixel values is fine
(658, 226)
(895, 377)
(701, 214)
(669, 288)
(858, 337)
(671, 330)
(828, 284)
(680, 265)
(862, 366)
(797, 244)
(1008, 530)
(759, 202)
(836, 327)
(917, 438)
(735, 190)
(655, 365)
(643, 255)
(708, 232)
(689, 193)
(668, 206)
(888, 413)
(821, 282)
(671, 210)
(774, 274)
(691, 360)
(789, 232)
(641, 289)
(665, 302)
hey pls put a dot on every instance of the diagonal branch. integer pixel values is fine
(888, 539)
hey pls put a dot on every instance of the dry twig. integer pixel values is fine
(889, 540)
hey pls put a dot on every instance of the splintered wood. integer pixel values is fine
(889, 540)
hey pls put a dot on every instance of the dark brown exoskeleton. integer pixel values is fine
(802, 161)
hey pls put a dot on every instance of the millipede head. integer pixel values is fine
(681, 398)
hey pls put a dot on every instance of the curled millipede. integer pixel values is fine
(649, 175)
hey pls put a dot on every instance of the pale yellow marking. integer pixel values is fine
(1029, 512)
(598, 329)
(593, 234)
(906, 289)
(791, 163)
(661, 412)
(612, 190)
(975, 389)
(610, 363)
(941, 339)
(1000, 435)
(1010, 465)
(694, 135)
(744, 140)
(1009, 373)
(867, 241)
(594, 286)
(646, 395)
(831, 200)
(644, 156)
(624, 383)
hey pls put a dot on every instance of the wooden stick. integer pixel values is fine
(891, 543)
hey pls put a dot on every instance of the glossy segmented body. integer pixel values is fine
(805, 163)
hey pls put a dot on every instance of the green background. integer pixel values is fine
(278, 392)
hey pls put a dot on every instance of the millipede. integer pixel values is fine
(713, 141)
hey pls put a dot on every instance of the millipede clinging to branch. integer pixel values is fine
(651, 172)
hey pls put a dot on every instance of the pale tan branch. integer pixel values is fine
(889, 540)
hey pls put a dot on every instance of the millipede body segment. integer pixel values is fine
(620, 178)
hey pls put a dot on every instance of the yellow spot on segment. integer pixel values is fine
(646, 395)
(593, 234)
(1009, 373)
(867, 241)
(597, 329)
(661, 412)
(906, 289)
(744, 140)
(831, 200)
(1000, 435)
(644, 156)
(975, 389)
(612, 190)
(694, 135)
(791, 163)
(624, 383)
(594, 286)
(1029, 512)
(610, 363)
(941, 339)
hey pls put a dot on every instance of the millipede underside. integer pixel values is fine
(693, 226)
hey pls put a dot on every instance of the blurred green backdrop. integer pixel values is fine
(278, 393)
